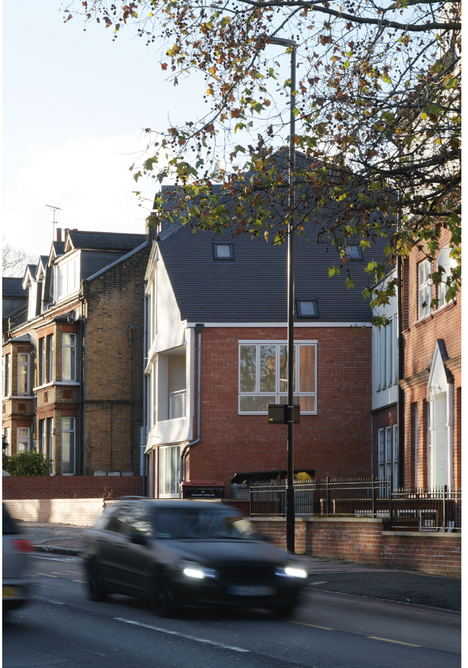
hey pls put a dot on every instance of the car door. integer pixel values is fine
(115, 546)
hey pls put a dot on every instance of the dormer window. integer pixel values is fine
(223, 251)
(307, 308)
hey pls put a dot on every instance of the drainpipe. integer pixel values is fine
(199, 329)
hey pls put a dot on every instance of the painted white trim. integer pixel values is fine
(310, 325)
(73, 383)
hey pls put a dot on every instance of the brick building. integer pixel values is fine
(216, 357)
(417, 379)
(72, 381)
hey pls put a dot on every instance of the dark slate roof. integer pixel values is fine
(13, 287)
(253, 286)
(105, 241)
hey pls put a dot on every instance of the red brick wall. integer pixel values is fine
(419, 339)
(363, 541)
(64, 487)
(336, 442)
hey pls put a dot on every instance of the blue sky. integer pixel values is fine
(74, 105)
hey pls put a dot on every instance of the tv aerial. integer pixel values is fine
(54, 209)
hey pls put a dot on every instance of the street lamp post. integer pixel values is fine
(290, 510)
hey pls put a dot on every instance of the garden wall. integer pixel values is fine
(363, 540)
(70, 487)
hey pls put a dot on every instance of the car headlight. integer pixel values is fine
(292, 572)
(193, 570)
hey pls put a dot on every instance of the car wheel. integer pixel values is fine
(162, 599)
(96, 589)
(285, 608)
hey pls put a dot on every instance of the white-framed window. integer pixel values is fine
(69, 357)
(7, 437)
(42, 361)
(68, 445)
(66, 277)
(424, 289)
(445, 264)
(385, 343)
(42, 436)
(23, 439)
(169, 467)
(388, 451)
(24, 363)
(50, 347)
(7, 375)
(263, 376)
(49, 437)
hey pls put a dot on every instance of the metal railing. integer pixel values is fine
(437, 509)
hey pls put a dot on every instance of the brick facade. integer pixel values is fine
(335, 442)
(100, 409)
(419, 343)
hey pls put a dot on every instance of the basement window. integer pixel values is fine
(223, 251)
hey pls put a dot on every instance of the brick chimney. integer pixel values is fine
(59, 235)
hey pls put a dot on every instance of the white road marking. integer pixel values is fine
(181, 635)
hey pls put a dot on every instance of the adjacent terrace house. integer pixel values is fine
(72, 380)
(215, 358)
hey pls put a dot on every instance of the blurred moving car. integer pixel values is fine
(16, 564)
(188, 553)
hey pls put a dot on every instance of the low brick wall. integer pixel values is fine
(70, 487)
(77, 512)
(363, 540)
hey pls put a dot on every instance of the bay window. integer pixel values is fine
(23, 373)
(68, 445)
(69, 357)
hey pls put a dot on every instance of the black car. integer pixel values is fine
(189, 553)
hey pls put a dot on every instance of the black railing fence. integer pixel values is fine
(435, 509)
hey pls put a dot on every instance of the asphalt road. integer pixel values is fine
(330, 630)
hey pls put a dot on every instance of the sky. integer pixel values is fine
(74, 107)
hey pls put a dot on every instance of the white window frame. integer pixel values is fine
(7, 375)
(72, 445)
(169, 463)
(66, 278)
(7, 436)
(23, 438)
(424, 289)
(277, 396)
(388, 451)
(72, 349)
(42, 361)
(26, 363)
(447, 263)
(50, 347)
(42, 436)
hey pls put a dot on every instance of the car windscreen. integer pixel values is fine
(178, 523)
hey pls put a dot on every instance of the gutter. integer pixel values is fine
(199, 329)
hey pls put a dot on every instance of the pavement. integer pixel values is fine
(351, 579)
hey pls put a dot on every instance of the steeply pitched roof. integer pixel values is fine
(253, 286)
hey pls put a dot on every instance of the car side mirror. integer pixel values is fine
(139, 539)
